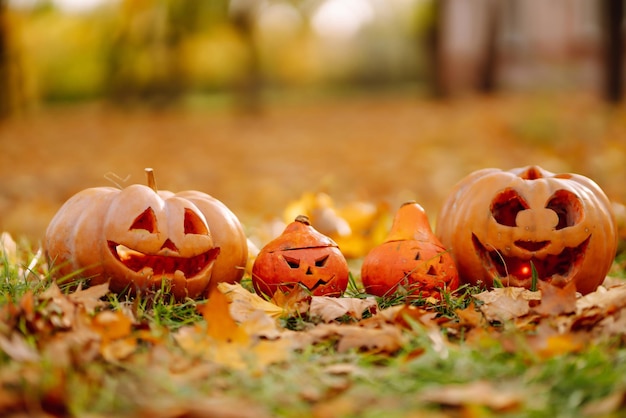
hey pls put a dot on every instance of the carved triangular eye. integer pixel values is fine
(293, 263)
(194, 224)
(418, 256)
(146, 221)
(506, 205)
(567, 207)
(321, 262)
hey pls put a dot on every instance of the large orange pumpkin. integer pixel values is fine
(502, 225)
(411, 256)
(300, 256)
(137, 238)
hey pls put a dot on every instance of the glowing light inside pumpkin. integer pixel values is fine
(524, 271)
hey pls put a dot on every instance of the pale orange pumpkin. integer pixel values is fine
(137, 238)
(499, 225)
(411, 257)
(300, 256)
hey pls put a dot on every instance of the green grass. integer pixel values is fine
(161, 379)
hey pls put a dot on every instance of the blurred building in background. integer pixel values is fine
(524, 44)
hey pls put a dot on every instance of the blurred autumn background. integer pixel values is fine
(258, 102)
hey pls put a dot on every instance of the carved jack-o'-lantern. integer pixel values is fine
(136, 238)
(412, 257)
(502, 225)
(300, 256)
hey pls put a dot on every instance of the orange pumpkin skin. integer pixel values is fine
(412, 257)
(137, 238)
(300, 256)
(496, 223)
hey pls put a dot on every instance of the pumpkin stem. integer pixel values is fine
(303, 219)
(410, 223)
(532, 173)
(151, 180)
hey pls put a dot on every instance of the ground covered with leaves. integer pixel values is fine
(68, 350)
(81, 351)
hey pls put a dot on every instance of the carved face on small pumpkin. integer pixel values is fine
(138, 238)
(301, 256)
(500, 225)
(411, 257)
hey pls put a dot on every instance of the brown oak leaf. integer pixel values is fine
(555, 300)
(330, 308)
(506, 303)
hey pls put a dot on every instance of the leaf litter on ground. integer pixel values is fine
(240, 331)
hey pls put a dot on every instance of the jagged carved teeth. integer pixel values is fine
(149, 264)
(319, 283)
(292, 285)
(548, 267)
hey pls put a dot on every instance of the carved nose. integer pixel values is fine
(537, 219)
(169, 245)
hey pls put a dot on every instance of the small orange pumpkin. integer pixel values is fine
(301, 256)
(136, 238)
(500, 224)
(411, 256)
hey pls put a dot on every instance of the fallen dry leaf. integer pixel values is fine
(244, 304)
(261, 325)
(295, 302)
(111, 325)
(330, 308)
(91, 298)
(387, 339)
(384, 339)
(555, 300)
(474, 393)
(605, 299)
(408, 315)
(506, 303)
(8, 248)
(220, 325)
(470, 316)
(214, 406)
(117, 350)
(548, 342)
(16, 347)
(223, 341)
(606, 406)
(59, 311)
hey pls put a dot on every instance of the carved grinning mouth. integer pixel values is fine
(549, 268)
(162, 265)
(319, 283)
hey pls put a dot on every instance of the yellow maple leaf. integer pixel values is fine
(220, 325)
(244, 304)
(111, 325)
(223, 341)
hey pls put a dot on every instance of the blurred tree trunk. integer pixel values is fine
(144, 65)
(6, 88)
(613, 15)
(145, 57)
(434, 48)
(489, 61)
(249, 87)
